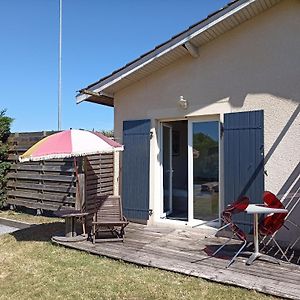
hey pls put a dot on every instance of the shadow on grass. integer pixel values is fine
(40, 233)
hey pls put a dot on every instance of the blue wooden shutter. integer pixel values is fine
(135, 170)
(243, 159)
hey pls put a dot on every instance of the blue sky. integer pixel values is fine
(98, 37)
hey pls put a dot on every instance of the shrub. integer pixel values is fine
(5, 123)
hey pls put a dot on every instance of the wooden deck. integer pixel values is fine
(179, 250)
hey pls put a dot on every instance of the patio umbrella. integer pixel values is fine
(70, 143)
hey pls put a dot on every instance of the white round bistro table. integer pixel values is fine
(255, 210)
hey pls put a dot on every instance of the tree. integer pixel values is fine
(5, 123)
(108, 133)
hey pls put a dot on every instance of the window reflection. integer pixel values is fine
(206, 170)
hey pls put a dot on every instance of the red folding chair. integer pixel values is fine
(291, 202)
(271, 223)
(236, 207)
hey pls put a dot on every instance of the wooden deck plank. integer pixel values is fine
(187, 247)
(191, 256)
(177, 250)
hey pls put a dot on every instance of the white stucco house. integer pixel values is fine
(209, 115)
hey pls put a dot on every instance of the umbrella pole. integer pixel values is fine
(78, 198)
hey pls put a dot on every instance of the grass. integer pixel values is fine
(33, 268)
(28, 218)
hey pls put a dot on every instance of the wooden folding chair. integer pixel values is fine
(108, 221)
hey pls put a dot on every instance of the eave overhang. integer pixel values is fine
(188, 42)
(95, 97)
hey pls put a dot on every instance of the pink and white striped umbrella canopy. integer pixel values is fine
(70, 143)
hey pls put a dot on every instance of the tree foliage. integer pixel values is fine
(5, 123)
(108, 133)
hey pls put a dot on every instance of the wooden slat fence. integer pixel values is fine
(51, 185)
(48, 185)
(99, 178)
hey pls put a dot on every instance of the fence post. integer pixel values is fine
(116, 173)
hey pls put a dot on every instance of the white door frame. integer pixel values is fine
(190, 120)
(191, 220)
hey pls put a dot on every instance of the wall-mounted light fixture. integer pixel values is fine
(182, 103)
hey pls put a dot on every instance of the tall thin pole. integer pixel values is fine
(59, 68)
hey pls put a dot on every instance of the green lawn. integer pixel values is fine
(33, 268)
(19, 216)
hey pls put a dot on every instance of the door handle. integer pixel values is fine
(169, 171)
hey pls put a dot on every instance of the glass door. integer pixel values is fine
(204, 171)
(167, 170)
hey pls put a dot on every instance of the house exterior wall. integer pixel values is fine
(254, 66)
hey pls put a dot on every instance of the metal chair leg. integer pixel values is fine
(283, 254)
(293, 223)
(221, 228)
(271, 238)
(296, 241)
(220, 248)
(267, 243)
(237, 254)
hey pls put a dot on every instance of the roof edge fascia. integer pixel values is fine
(170, 45)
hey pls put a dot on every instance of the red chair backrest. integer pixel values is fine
(236, 207)
(272, 222)
(271, 200)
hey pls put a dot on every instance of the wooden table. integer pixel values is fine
(70, 230)
(257, 209)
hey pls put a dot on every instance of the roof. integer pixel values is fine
(185, 43)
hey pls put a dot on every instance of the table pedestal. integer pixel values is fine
(70, 230)
(259, 255)
(256, 254)
(70, 227)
